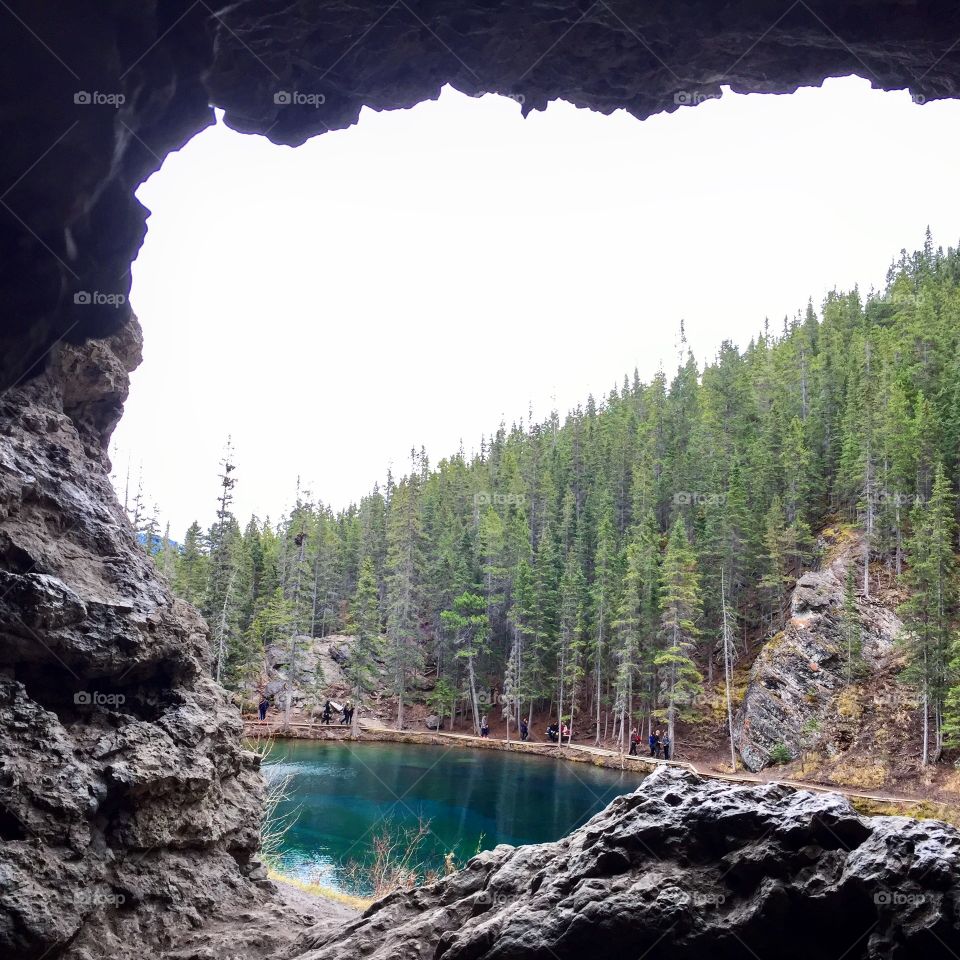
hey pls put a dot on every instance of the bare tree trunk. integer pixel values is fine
(597, 669)
(221, 642)
(728, 669)
(473, 696)
(292, 670)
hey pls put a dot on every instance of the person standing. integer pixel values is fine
(634, 740)
(264, 706)
(654, 741)
(665, 746)
(484, 727)
(524, 731)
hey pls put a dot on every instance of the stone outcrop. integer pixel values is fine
(95, 98)
(798, 675)
(128, 809)
(686, 868)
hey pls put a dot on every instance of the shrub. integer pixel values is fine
(780, 754)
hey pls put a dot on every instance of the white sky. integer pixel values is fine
(418, 277)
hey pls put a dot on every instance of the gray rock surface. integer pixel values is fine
(800, 671)
(128, 809)
(686, 868)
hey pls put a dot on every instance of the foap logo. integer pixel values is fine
(85, 298)
(296, 98)
(706, 901)
(699, 498)
(690, 98)
(91, 899)
(486, 499)
(487, 898)
(85, 98)
(894, 898)
(96, 698)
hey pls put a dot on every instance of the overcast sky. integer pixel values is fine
(419, 277)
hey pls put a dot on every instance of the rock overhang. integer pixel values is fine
(96, 100)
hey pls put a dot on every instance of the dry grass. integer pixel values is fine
(318, 890)
(850, 703)
(396, 864)
(926, 810)
(858, 775)
(951, 783)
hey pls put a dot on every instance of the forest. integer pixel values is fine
(610, 565)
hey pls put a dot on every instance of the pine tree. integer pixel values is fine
(404, 570)
(570, 668)
(366, 647)
(603, 596)
(469, 624)
(680, 603)
(928, 614)
(191, 566)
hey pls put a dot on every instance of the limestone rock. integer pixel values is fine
(686, 868)
(799, 673)
(128, 807)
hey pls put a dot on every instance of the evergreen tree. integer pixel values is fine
(404, 582)
(469, 624)
(365, 626)
(680, 603)
(928, 614)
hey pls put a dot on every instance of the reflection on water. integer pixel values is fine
(342, 795)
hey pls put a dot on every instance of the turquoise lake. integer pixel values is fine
(343, 795)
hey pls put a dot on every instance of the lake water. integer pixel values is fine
(343, 795)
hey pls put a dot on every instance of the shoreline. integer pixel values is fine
(576, 753)
(867, 804)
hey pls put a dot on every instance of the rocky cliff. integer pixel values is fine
(684, 869)
(128, 808)
(793, 700)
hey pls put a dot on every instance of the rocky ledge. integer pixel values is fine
(685, 868)
(129, 811)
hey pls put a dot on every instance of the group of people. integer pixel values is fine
(346, 713)
(562, 732)
(658, 741)
(485, 728)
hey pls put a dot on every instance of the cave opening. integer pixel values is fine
(93, 105)
(394, 280)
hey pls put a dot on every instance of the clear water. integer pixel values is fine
(343, 795)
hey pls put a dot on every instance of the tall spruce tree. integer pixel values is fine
(681, 610)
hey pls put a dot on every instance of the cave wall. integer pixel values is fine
(127, 806)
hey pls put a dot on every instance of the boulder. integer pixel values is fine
(685, 868)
